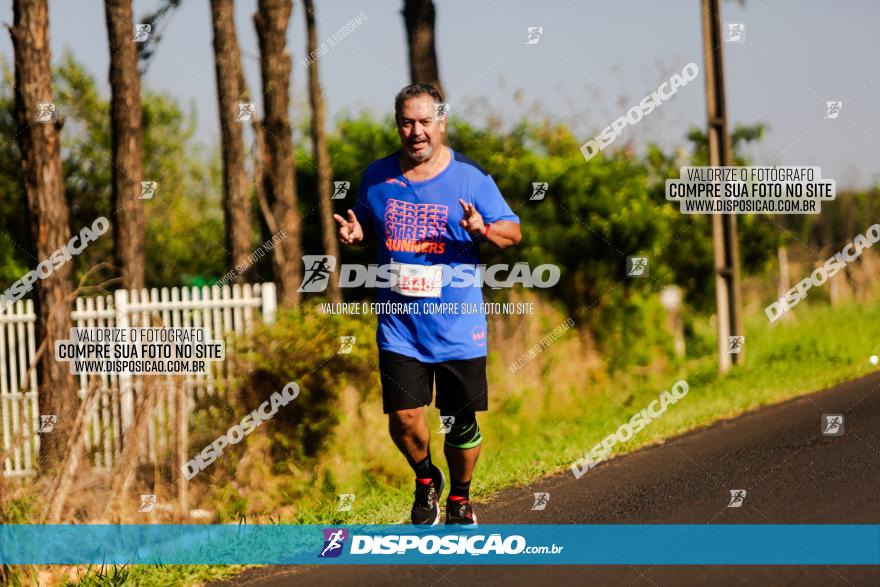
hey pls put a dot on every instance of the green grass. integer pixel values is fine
(156, 575)
(824, 347)
(527, 436)
(783, 361)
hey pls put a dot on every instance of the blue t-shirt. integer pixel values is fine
(417, 222)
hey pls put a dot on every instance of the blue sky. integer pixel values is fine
(594, 61)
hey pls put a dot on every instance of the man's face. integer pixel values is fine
(420, 130)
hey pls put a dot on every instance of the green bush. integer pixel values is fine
(302, 346)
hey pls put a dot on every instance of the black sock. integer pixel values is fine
(460, 489)
(423, 468)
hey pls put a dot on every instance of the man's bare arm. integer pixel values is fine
(501, 233)
(504, 233)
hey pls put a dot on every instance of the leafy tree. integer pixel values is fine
(184, 224)
(16, 254)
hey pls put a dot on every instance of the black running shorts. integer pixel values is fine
(409, 383)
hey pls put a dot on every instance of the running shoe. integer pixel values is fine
(426, 507)
(460, 511)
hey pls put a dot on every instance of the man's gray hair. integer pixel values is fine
(414, 91)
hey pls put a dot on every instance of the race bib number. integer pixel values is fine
(417, 281)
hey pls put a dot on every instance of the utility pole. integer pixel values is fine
(724, 237)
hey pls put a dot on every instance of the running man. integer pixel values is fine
(428, 205)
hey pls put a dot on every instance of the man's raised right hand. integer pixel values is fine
(350, 231)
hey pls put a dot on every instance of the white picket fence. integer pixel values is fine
(222, 311)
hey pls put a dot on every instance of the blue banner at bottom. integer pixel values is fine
(613, 544)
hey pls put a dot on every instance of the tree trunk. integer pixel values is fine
(322, 155)
(418, 15)
(236, 203)
(127, 141)
(260, 180)
(48, 216)
(271, 21)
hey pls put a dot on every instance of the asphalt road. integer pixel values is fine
(791, 472)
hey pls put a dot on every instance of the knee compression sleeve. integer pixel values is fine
(464, 432)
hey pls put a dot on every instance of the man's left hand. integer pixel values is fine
(472, 221)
